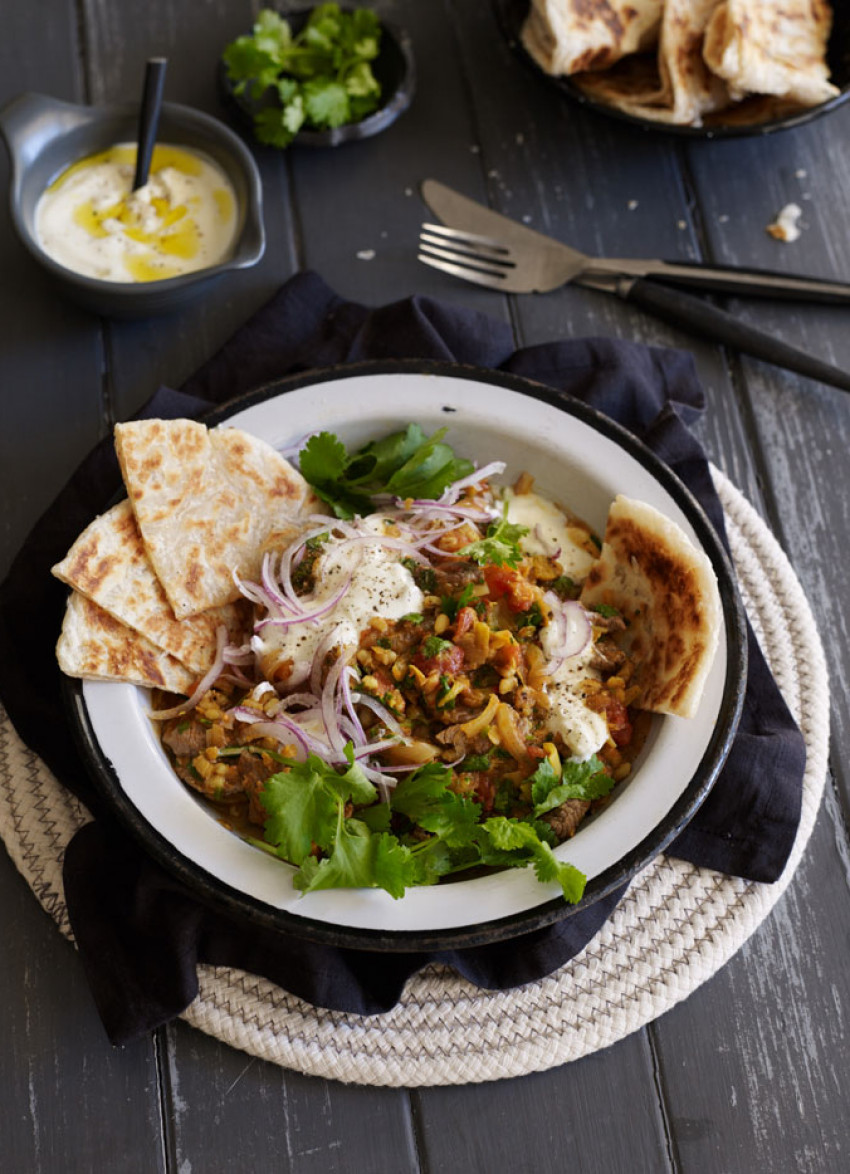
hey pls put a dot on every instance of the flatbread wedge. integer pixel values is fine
(677, 88)
(761, 47)
(96, 646)
(666, 590)
(569, 36)
(205, 502)
(109, 564)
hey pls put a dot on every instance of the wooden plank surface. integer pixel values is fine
(750, 1071)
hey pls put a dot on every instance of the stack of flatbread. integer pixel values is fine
(686, 62)
(153, 578)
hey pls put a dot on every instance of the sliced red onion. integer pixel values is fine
(383, 713)
(309, 700)
(206, 682)
(324, 646)
(572, 629)
(348, 702)
(451, 494)
(306, 617)
(329, 710)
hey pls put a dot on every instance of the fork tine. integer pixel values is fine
(477, 277)
(456, 236)
(463, 253)
(464, 260)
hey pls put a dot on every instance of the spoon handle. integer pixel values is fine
(149, 118)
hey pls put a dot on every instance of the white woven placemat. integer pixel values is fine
(676, 926)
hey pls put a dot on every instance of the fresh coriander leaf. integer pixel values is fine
(303, 803)
(322, 75)
(578, 780)
(392, 452)
(302, 811)
(326, 103)
(548, 867)
(500, 547)
(430, 470)
(452, 606)
(508, 835)
(359, 860)
(377, 817)
(323, 459)
(475, 762)
(434, 645)
(606, 610)
(426, 799)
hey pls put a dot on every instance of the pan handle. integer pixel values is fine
(701, 318)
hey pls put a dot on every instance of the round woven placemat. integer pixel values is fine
(676, 926)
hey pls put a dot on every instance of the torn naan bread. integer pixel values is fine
(569, 36)
(761, 47)
(109, 564)
(96, 646)
(205, 502)
(677, 86)
(666, 590)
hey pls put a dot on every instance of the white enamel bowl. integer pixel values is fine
(578, 458)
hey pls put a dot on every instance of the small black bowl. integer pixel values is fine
(511, 15)
(394, 69)
(44, 136)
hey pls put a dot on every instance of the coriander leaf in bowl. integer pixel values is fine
(322, 76)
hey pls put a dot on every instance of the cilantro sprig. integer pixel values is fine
(500, 546)
(382, 846)
(320, 77)
(404, 464)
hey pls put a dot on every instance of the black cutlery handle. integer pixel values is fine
(702, 318)
(764, 283)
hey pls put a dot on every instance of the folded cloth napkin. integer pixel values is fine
(140, 932)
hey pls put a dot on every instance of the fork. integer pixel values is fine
(488, 262)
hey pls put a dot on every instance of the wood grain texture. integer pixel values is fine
(265, 1117)
(70, 1101)
(559, 1119)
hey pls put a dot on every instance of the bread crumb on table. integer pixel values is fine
(786, 225)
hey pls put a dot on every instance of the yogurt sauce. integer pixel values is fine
(182, 220)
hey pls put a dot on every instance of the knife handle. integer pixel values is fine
(701, 318)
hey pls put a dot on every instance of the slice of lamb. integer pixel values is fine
(186, 737)
(565, 819)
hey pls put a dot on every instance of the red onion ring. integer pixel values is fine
(207, 680)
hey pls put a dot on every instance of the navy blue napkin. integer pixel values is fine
(139, 931)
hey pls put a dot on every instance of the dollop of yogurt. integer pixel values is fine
(184, 218)
(380, 586)
(583, 730)
(549, 532)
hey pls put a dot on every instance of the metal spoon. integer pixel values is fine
(149, 118)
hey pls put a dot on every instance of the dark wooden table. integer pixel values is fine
(750, 1073)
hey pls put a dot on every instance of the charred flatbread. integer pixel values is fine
(205, 501)
(758, 46)
(569, 36)
(677, 86)
(109, 564)
(96, 646)
(666, 590)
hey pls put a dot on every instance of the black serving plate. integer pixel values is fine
(511, 16)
